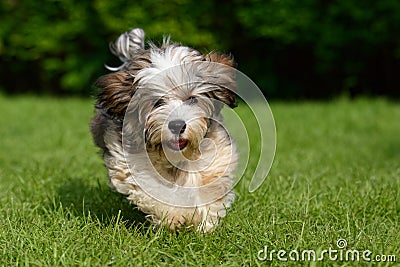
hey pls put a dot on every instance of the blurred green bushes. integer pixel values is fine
(290, 48)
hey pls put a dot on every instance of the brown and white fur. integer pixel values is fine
(158, 122)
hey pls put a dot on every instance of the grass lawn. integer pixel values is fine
(336, 175)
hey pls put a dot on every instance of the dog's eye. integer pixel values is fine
(192, 100)
(158, 103)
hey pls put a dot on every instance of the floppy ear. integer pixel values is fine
(221, 58)
(116, 91)
(224, 73)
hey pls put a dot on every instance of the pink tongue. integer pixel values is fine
(182, 143)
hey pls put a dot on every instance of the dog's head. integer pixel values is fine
(169, 97)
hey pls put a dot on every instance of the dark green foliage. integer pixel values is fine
(321, 48)
(290, 48)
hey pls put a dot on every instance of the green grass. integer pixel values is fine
(335, 175)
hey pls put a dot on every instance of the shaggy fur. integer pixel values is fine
(159, 125)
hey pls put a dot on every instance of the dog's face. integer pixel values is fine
(178, 120)
(178, 100)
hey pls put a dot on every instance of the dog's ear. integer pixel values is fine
(225, 77)
(116, 91)
(221, 58)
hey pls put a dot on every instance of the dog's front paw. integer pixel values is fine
(179, 223)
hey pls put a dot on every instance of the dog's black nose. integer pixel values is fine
(177, 126)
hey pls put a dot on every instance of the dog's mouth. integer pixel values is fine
(178, 144)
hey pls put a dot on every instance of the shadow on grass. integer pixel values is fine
(81, 199)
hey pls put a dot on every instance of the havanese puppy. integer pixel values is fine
(158, 122)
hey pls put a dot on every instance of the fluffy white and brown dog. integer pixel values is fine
(158, 122)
